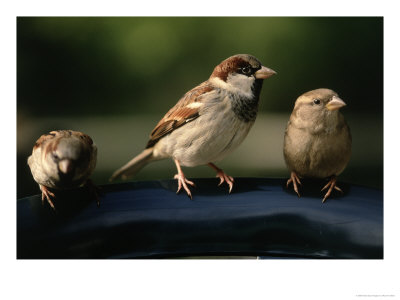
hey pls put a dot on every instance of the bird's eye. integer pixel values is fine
(317, 101)
(55, 156)
(246, 70)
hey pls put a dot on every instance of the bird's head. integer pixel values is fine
(318, 105)
(242, 73)
(66, 159)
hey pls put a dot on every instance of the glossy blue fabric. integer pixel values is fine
(148, 220)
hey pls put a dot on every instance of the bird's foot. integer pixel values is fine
(48, 195)
(295, 180)
(94, 190)
(330, 186)
(223, 177)
(183, 182)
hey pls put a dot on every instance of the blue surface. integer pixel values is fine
(260, 218)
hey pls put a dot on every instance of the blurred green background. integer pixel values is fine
(115, 77)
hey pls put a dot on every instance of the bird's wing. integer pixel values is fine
(186, 110)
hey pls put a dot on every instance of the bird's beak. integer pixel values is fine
(335, 103)
(65, 166)
(264, 73)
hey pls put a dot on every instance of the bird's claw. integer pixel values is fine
(225, 178)
(295, 180)
(48, 195)
(182, 182)
(330, 186)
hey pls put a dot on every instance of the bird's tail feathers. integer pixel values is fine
(134, 166)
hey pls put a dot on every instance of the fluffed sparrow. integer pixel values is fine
(317, 141)
(62, 159)
(208, 122)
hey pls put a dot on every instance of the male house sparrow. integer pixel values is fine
(62, 159)
(208, 122)
(317, 141)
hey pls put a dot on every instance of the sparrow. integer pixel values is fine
(62, 159)
(317, 142)
(208, 122)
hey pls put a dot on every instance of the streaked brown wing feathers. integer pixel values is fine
(180, 114)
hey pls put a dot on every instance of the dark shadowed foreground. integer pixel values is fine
(261, 218)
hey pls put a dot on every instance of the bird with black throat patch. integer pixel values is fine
(317, 142)
(208, 122)
(61, 160)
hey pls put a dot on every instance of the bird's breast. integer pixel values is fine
(209, 138)
(316, 155)
(244, 108)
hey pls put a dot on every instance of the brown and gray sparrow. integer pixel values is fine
(62, 159)
(208, 122)
(317, 141)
